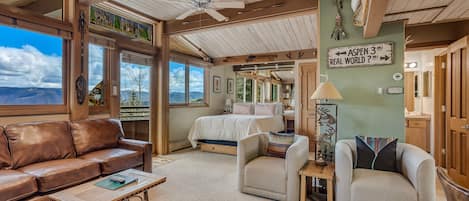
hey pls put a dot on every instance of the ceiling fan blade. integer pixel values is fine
(228, 4)
(215, 14)
(186, 14)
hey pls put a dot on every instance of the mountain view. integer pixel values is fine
(30, 96)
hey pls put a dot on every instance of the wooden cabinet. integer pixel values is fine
(418, 131)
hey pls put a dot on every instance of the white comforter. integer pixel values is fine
(232, 127)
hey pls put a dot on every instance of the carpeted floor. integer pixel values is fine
(193, 175)
(198, 176)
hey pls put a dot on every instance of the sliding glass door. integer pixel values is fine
(135, 71)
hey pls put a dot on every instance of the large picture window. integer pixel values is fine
(187, 84)
(244, 90)
(31, 68)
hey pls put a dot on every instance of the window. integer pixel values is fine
(96, 76)
(275, 90)
(135, 85)
(196, 85)
(244, 90)
(187, 84)
(177, 83)
(31, 68)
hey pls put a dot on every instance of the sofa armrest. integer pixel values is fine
(419, 167)
(343, 169)
(248, 149)
(296, 157)
(141, 146)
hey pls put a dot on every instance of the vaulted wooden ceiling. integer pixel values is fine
(418, 12)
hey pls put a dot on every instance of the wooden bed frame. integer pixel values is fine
(217, 148)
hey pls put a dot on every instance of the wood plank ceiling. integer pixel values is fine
(419, 12)
(163, 9)
(289, 34)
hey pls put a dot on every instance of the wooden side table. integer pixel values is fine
(321, 172)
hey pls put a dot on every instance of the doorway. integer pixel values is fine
(307, 83)
(135, 97)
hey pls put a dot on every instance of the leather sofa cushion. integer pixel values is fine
(115, 160)
(15, 185)
(37, 142)
(368, 185)
(92, 135)
(266, 173)
(5, 160)
(56, 174)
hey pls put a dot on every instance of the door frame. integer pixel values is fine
(439, 99)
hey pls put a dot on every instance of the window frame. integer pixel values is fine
(188, 63)
(103, 109)
(16, 110)
(253, 86)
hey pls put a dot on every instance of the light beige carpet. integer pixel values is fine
(198, 176)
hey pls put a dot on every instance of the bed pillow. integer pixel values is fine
(266, 109)
(279, 144)
(242, 108)
(376, 153)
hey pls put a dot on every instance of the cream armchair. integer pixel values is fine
(415, 182)
(270, 177)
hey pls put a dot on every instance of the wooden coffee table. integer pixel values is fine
(89, 192)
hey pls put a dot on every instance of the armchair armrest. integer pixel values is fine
(344, 169)
(296, 157)
(419, 167)
(141, 146)
(248, 149)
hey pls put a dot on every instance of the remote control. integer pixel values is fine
(117, 179)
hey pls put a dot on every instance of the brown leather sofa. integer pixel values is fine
(37, 158)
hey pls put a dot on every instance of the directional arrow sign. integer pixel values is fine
(361, 55)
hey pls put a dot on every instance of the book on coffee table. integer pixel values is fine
(111, 182)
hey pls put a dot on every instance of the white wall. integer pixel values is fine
(181, 119)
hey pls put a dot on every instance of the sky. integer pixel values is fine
(29, 59)
(177, 78)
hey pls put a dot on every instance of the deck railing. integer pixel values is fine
(134, 113)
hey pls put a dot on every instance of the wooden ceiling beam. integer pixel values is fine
(375, 16)
(267, 57)
(194, 48)
(441, 35)
(254, 12)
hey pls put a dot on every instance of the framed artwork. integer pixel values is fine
(216, 84)
(230, 86)
(327, 123)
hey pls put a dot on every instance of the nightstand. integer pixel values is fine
(320, 172)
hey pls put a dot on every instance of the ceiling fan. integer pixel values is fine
(209, 7)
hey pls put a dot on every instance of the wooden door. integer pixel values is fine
(307, 86)
(457, 112)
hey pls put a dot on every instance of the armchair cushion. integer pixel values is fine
(266, 173)
(372, 185)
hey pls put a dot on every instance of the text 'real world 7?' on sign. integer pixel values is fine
(361, 55)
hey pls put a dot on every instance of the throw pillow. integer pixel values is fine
(376, 153)
(279, 144)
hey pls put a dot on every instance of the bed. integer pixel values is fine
(220, 133)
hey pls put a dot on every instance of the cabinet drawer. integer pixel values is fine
(417, 124)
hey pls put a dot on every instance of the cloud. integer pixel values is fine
(132, 74)
(95, 65)
(177, 78)
(28, 67)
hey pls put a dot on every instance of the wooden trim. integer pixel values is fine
(254, 12)
(267, 57)
(159, 122)
(439, 115)
(193, 47)
(375, 16)
(216, 148)
(427, 45)
(31, 17)
(417, 10)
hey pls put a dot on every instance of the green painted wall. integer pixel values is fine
(363, 111)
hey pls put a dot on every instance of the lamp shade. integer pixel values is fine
(326, 90)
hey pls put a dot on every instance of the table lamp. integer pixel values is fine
(326, 114)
